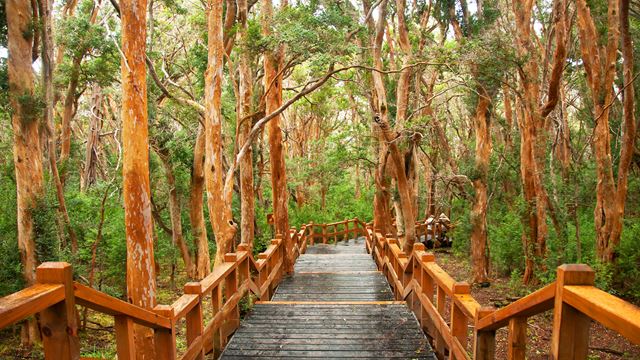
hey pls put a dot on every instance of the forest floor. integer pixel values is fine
(604, 343)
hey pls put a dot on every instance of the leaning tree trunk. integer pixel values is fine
(273, 100)
(196, 208)
(141, 280)
(219, 205)
(26, 139)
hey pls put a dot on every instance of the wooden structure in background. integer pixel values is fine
(443, 306)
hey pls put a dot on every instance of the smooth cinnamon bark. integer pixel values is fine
(600, 67)
(141, 281)
(247, 196)
(27, 153)
(218, 196)
(273, 100)
(196, 207)
(175, 215)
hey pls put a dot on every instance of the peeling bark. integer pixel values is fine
(273, 62)
(196, 208)
(141, 279)
(27, 152)
(218, 195)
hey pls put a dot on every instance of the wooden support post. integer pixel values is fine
(517, 341)
(345, 236)
(165, 339)
(427, 285)
(335, 233)
(230, 288)
(58, 323)
(356, 228)
(244, 265)
(216, 305)
(324, 233)
(125, 344)
(440, 305)
(195, 327)
(459, 322)
(312, 235)
(484, 347)
(570, 339)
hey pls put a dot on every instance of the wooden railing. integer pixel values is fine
(55, 296)
(446, 310)
(334, 232)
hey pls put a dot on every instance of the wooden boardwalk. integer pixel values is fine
(336, 305)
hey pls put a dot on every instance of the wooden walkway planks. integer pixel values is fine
(336, 305)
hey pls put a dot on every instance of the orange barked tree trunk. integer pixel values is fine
(273, 100)
(218, 196)
(141, 281)
(27, 153)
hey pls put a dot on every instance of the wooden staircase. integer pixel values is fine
(336, 305)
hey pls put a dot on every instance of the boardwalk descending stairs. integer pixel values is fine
(336, 305)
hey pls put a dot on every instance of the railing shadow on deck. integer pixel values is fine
(573, 298)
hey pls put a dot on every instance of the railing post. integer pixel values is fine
(484, 341)
(216, 306)
(570, 339)
(125, 343)
(165, 339)
(459, 321)
(517, 341)
(59, 325)
(324, 233)
(230, 288)
(427, 285)
(312, 235)
(194, 318)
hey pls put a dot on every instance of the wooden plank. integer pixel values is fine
(194, 323)
(184, 304)
(517, 341)
(106, 304)
(125, 344)
(58, 323)
(165, 339)
(532, 304)
(216, 276)
(26, 302)
(612, 312)
(332, 302)
(570, 337)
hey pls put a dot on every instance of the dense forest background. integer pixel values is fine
(436, 65)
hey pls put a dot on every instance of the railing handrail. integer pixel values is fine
(417, 274)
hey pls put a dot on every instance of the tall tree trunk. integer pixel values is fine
(196, 208)
(273, 62)
(479, 248)
(175, 213)
(70, 99)
(89, 174)
(386, 135)
(218, 200)
(247, 196)
(141, 279)
(46, 16)
(600, 66)
(26, 139)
